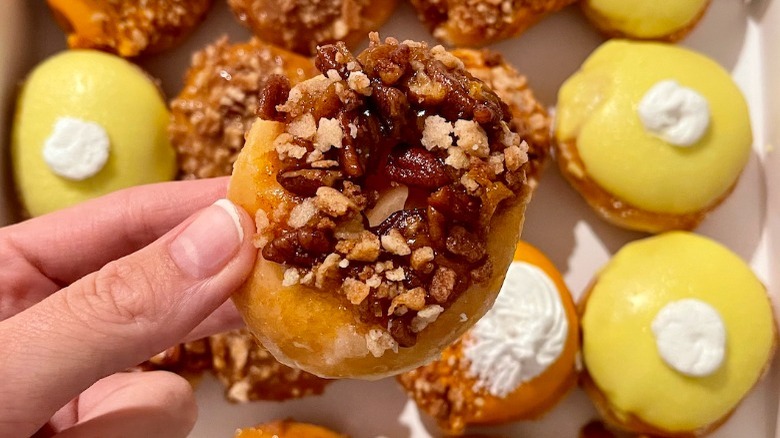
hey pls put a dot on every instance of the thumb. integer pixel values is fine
(119, 316)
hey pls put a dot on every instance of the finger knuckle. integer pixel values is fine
(118, 294)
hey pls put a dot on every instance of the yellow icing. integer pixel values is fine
(96, 87)
(619, 348)
(597, 109)
(647, 19)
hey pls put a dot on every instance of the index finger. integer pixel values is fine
(69, 244)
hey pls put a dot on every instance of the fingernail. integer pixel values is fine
(209, 242)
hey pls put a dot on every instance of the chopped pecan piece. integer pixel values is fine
(466, 244)
(402, 332)
(395, 243)
(436, 227)
(305, 182)
(482, 272)
(443, 284)
(455, 203)
(332, 202)
(421, 258)
(364, 248)
(392, 68)
(413, 299)
(249, 372)
(356, 291)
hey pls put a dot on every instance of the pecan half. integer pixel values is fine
(350, 159)
(403, 220)
(417, 167)
(274, 92)
(333, 57)
(392, 106)
(305, 182)
(298, 247)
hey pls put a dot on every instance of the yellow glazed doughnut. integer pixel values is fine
(653, 136)
(521, 382)
(663, 20)
(676, 331)
(87, 123)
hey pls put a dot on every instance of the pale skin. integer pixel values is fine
(90, 291)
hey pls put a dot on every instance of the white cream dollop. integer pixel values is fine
(678, 115)
(522, 335)
(76, 149)
(690, 336)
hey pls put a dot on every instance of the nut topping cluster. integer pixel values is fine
(398, 160)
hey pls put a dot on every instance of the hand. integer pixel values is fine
(92, 290)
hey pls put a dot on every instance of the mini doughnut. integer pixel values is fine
(87, 123)
(660, 20)
(506, 368)
(128, 28)
(188, 360)
(246, 369)
(652, 135)
(250, 373)
(676, 331)
(287, 429)
(470, 23)
(302, 25)
(529, 117)
(217, 104)
(384, 192)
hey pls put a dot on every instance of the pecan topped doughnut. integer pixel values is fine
(128, 28)
(302, 25)
(217, 104)
(469, 23)
(384, 192)
(249, 372)
(529, 117)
